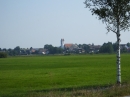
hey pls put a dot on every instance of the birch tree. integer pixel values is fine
(116, 15)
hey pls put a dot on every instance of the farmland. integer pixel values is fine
(25, 74)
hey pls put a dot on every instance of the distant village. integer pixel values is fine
(69, 48)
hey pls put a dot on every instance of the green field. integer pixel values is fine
(25, 74)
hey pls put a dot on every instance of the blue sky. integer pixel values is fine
(34, 23)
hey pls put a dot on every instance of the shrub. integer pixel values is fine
(3, 55)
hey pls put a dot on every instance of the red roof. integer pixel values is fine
(68, 45)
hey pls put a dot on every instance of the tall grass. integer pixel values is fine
(112, 91)
(39, 74)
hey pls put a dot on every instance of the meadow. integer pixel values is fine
(24, 75)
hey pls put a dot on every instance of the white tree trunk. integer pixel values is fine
(118, 58)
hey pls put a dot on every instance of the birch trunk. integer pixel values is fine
(118, 57)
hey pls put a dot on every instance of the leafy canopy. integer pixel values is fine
(115, 13)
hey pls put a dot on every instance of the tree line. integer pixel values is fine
(111, 48)
(106, 48)
(86, 48)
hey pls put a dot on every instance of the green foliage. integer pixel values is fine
(124, 50)
(3, 55)
(115, 47)
(17, 50)
(106, 48)
(53, 50)
(115, 13)
(128, 44)
(86, 48)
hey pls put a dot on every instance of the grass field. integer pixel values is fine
(22, 75)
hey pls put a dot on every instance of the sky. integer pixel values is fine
(35, 23)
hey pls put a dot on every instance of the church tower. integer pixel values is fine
(62, 43)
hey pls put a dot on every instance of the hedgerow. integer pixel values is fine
(3, 55)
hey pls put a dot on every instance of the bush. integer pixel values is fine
(3, 55)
